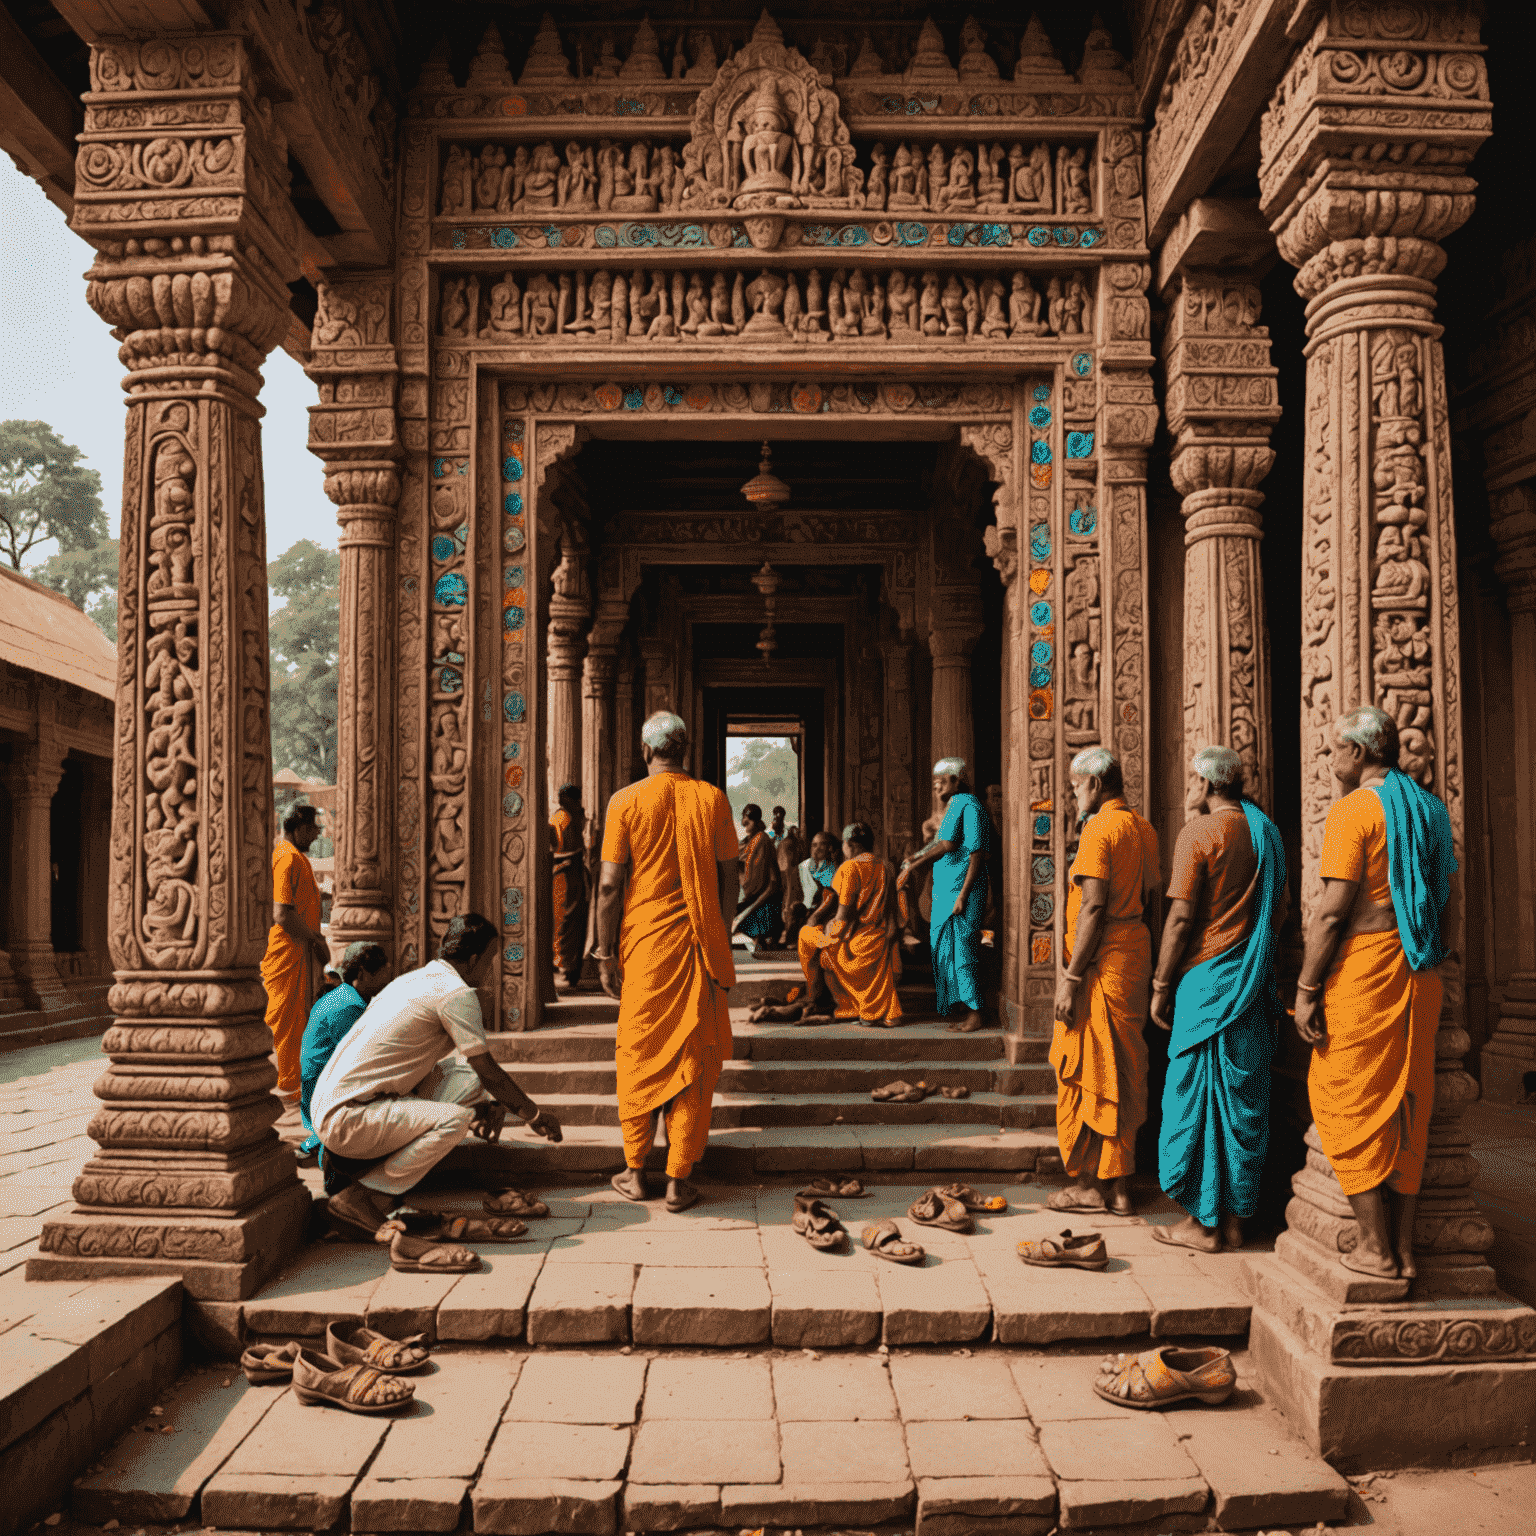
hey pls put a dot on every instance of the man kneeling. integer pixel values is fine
(393, 1102)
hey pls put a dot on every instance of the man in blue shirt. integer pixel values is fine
(364, 973)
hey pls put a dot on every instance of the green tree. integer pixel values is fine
(88, 578)
(45, 492)
(305, 642)
(766, 774)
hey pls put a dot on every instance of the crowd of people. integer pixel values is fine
(389, 1073)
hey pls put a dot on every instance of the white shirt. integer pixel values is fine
(418, 1019)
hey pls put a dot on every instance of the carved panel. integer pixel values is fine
(519, 765)
(863, 397)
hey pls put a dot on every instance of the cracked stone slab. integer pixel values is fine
(327, 1283)
(409, 1504)
(978, 1448)
(402, 1304)
(523, 1452)
(818, 1453)
(1041, 1306)
(748, 1454)
(658, 1507)
(536, 1506)
(581, 1304)
(1114, 1472)
(941, 1301)
(728, 1307)
(467, 1393)
(492, 1303)
(999, 1506)
(820, 1310)
(578, 1389)
(797, 1505)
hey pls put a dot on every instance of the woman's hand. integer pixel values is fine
(1162, 1008)
(1310, 1022)
(960, 906)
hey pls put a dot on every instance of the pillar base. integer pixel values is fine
(1342, 1373)
(1509, 1059)
(219, 1258)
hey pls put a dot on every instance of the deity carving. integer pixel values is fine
(1083, 640)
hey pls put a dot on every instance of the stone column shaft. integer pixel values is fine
(955, 629)
(194, 255)
(599, 679)
(32, 781)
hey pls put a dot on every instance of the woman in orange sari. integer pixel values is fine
(855, 956)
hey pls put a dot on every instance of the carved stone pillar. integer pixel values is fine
(659, 660)
(570, 610)
(955, 627)
(599, 679)
(900, 825)
(1360, 211)
(354, 430)
(626, 729)
(195, 245)
(32, 779)
(1510, 1056)
(1221, 403)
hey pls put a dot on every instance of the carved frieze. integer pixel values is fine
(761, 397)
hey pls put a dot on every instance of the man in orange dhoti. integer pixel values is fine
(1098, 1052)
(566, 827)
(1368, 999)
(670, 838)
(296, 949)
(855, 956)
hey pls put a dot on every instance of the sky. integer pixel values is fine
(58, 363)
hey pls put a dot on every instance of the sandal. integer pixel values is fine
(884, 1240)
(514, 1202)
(935, 1209)
(266, 1363)
(689, 1197)
(826, 1187)
(1060, 1202)
(961, 1092)
(1084, 1251)
(901, 1093)
(478, 1229)
(357, 1388)
(362, 1346)
(971, 1199)
(1157, 1377)
(421, 1256)
(818, 1223)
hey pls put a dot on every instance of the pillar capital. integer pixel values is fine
(36, 768)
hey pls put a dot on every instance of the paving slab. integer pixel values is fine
(946, 1387)
(728, 1307)
(818, 1310)
(109, 1321)
(836, 1388)
(1185, 1304)
(327, 1283)
(1117, 1472)
(940, 1301)
(792, 1505)
(748, 1454)
(579, 1389)
(1041, 1306)
(402, 1304)
(828, 1451)
(277, 1501)
(1058, 1388)
(534, 1506)
(580, 1304)
(672, 1248)
(523, 1451)
(460, 1400)
(654, 1507)
(978, 1448)
(158, 1477)
(1001, 1506)
(717, 1390)
(493, 1302)
(411, 1504)
(1259, 1473)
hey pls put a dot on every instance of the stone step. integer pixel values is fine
(767, 1110)
(545, 1079)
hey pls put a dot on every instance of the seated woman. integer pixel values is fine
(855, 957)
(757, 917)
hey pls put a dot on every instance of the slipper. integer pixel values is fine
(1157, 1377)
(934, 1209)
(691, 1198)
(357, 1388)
(1085, 1250)
(266, 1363)
(1059, 1202)
(890, 1092)
(956, 1093)
(1165, 1235)
(818, 1223)
(1121, 1205)
(478, 1229)
(514, 1202)
(971, 1199)
(420, 1256)
(885, 1241)
(363, 1346)
(824, 1186)
(638, 1199)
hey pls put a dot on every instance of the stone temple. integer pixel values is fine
(1156, 377)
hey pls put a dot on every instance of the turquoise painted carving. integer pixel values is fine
(1040, 416)
(1040, 542)
(1040, 614)
(1083, 521)
(1082, 364)
(512, 504)
(511, 468)
(504, 239)
(450, 590)
(1040, 451)
(1043, 824)
(1042, 909)
(514, 707)
(1042, 391)
(1079, 445)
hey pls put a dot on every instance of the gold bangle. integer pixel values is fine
(1301, 986)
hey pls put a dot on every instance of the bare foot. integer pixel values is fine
(1077, 1197)
(680, 1195)
(1407, 1267)
(969, 1025)
(1188, 1233)
(1367, 1261)
(1119, 1198)
(630, 1184)
(777, 1013)
(1231, 1231)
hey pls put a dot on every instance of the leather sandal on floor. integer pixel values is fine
(514, 1202)
(884, 1240)
(357, 1388)
(829, 1187)
(421, 1256)
(363, 1346)
(934, 1209)
(971, 1199)
(818, 1223)
(477, 1229)
(266, 1363)
(1083, 1250)
(962, 1092)
(1061, 1201)
(1157, 1377)
(901, 1092)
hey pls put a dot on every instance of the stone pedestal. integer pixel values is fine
(190, 1178)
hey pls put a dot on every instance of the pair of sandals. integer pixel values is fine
(426, 1242)
(949, 1207)
(823, 1229)
(359, 1369)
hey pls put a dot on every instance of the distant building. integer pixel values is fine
(58, 679)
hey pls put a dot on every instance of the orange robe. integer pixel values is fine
(288, 968)
(570, 889)
(675, 949)
(861, 971)
(1101, 1057)
(1372, 1082)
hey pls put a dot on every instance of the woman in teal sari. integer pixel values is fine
(959, 858)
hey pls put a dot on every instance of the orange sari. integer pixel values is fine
(1101, 1057)
(674, 1031)
(288, 967)
(570, 889)
(861, 970)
